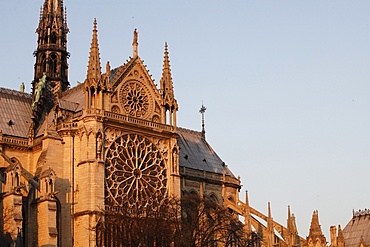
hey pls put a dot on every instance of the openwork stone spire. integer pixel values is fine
(51, 53)
(93, 68)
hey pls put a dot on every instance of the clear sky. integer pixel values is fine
(286, 85)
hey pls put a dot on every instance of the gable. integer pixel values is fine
(134, 92)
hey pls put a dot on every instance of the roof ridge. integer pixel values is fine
(189, 130)
(15, 92)
(117, 72)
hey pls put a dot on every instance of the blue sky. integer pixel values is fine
(285, 83)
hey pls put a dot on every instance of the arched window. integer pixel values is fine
(53, 64)
(17, 182)
(53, 38)
(43, 63)
(51, 185)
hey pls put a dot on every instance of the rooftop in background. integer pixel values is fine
(357, 231)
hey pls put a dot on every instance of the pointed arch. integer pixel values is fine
(53, 64)
(53, 38)
(43, 63)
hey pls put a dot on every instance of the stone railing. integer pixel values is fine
(208, 175)
(14, 141)
(114, 117)
(119, 117)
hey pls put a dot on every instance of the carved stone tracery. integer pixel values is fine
(135, 99)
(136, 172)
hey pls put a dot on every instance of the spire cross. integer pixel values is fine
(203, 111)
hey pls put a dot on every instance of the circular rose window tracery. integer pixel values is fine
(135, 99)
(135, 172)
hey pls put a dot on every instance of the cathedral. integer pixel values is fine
(68, 152)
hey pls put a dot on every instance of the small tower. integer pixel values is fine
(292, 237)
(167, 92)
(51, 53)
(93, 87)
(315, 237)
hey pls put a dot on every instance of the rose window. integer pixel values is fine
(135, 99)
(135, 172)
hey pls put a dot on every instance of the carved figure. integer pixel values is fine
(38, 90)
(99, 144)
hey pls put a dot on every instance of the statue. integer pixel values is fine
(99, 145)
(22, 88)
(135, 37)
(38, 90)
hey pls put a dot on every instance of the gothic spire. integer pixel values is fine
(93, 68)
(166, 84)
(315, 228)
(53, 15)
(270, 228)
(289, 223)
(247, 216)
(166, 89)
(315, 232)
(51, 53)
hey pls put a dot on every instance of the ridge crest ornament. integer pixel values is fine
(136, 174)
(135, 99)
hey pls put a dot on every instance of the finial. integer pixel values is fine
(203, 111)
(95, 25)
(135, 43)
(166, 61)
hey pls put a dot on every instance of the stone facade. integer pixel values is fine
(113, 140)
(68, 153)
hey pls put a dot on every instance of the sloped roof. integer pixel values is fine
(67, 105)
(73, 99)
(196, 153)
(15, 112)
(357, 230)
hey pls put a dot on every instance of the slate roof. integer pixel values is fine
(73, 99)
(196, 153)
(357, 230)
(15, 112)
